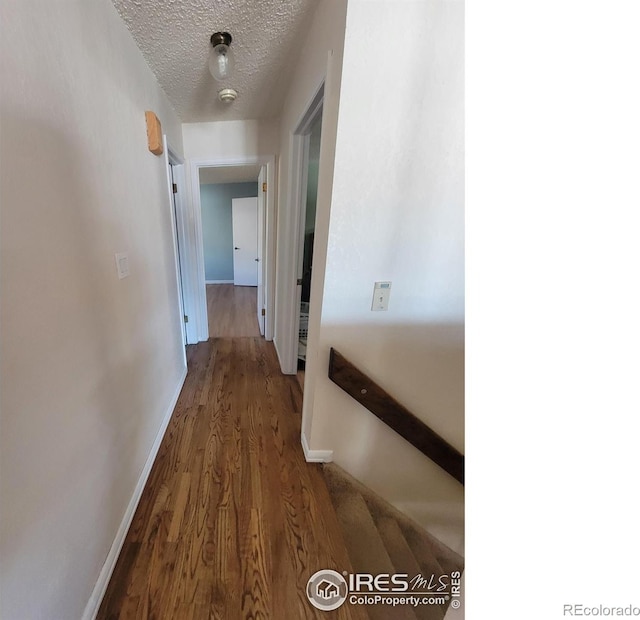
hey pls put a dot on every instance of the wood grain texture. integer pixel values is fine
(232, 311)
(232, 521)
(369, 394)
(154, 133)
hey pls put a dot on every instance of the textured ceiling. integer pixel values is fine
(173, 36)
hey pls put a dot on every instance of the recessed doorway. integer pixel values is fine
(229, 223)
(260, 171)
(308, 217)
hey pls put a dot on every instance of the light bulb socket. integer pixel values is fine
(221, 38)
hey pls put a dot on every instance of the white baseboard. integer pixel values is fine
(91, 610)
(219, 281)
(315, 456)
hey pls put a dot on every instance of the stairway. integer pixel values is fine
(381, 539)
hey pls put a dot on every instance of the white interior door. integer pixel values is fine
(244, 213)
(262, 184)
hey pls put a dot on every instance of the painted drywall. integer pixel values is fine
(397, 213)
(230, 139)
(320, 60)
(90, 362)
(217, 229)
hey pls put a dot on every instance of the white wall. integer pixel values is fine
(397, 214)
(90, 363)
(319, 60)
(230, 139)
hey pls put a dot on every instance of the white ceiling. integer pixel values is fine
(229, 174)
(174, 38)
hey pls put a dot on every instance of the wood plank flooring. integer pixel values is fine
(232, 311)
(232, 521)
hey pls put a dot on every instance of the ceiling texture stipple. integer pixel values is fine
(173, 36)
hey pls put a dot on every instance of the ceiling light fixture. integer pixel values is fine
(227, 95)
(220, 56)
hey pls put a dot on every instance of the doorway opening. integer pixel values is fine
(218, 189)
(229, 216)
(308, 217)
(306, 157)
(258, 171)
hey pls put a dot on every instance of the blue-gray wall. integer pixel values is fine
(217, 229)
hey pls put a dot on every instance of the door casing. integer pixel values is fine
(195, 266)
(262, 179)
(298, 195)
(175, 174)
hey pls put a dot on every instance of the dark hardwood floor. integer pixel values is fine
(232, 521)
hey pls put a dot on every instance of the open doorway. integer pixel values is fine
(229, 224)
(195, 264)
(308, 217)
(304, 191)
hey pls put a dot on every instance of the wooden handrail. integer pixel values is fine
(369, 394)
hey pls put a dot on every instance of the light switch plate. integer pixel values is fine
(381, 294)
(122, 264)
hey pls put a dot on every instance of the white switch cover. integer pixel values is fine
(381, 293)
(122, 263)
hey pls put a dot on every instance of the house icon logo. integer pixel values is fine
(327, 590)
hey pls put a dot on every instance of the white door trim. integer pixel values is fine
(262, 179)
(177, 231)
(290, 291)
(196, 258)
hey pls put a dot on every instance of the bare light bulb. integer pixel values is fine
(220, 56)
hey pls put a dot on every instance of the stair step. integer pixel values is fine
(405, 562)
(426, 549)
(366, 549)
(408, 547)
(432, 559)
(396, 546)
(448, 559)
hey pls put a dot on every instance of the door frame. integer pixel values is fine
(298, 202)
(262, 179)
(178, 237)
(196, 260)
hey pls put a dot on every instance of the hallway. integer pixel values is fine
(232, 521)
(231, 311)
(113, 118)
